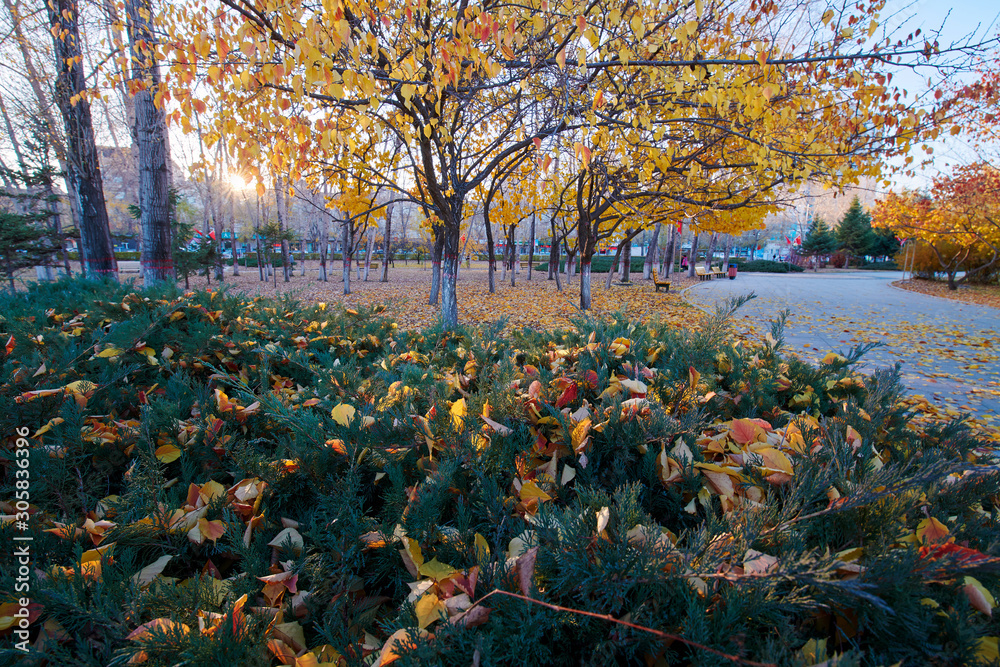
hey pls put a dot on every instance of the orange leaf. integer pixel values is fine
(931, 530)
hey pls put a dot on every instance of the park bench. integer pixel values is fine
(702, 273)
(665, 284)
(717, 272)
(129, 266)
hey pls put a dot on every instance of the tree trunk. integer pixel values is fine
(585, 297)
(506, 260)
(368, 252)
(324, 242)
(491, 254)
(651, 250)
(614, 265)
(627, 261)
(96, 250)
(667, 260)
(232, 239)
(725, 253)
(449, 268)
(347, 254)
(281, 206)
(515, 263)
(531, 246)
(711, 251)
(693, 256)
(554, 259)
(387, 242)
(436, 253)
(149, 139)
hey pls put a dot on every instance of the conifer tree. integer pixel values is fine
(819, 240)
(854, 234)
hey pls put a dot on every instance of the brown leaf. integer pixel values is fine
(526, 569)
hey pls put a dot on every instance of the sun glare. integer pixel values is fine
(238, 182)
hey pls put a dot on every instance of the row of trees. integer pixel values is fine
(601, 119)
(854, 236)
(598, 121)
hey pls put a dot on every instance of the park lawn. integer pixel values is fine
(536, 304)
(980, 295)
(218, 477)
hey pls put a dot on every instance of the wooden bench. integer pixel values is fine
(665, 284)
(717, 272)
(702, 273)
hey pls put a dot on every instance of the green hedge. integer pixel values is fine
(880, 266)
(273, 458)
(766, 266)
(600, 264)
(127, 256)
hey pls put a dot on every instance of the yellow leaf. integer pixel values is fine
(931, 530)
(110, 352)
(343, 414)
(458, 412)
(987, 649)
(482, 548)
(167, 453)
(211, 530)
(833, 358)
(437, 570)
(429, 609)
(48, 425)
(531, 490)
(179, 315)
(396, 642)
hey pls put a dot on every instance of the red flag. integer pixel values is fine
(788, 241)
(798, 240)
(211, 235)
(680, 226)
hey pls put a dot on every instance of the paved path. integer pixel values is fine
(950, 351)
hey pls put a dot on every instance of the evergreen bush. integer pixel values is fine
(599, 264)
(218, 479)
(765, 266)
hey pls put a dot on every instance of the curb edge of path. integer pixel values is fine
(684, 295)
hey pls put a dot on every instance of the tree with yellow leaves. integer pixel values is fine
(959, 220)
(434, 74)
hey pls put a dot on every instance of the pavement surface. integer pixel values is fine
(949, 351)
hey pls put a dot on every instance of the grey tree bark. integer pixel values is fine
(711, 251)
(436, 266)
(693, 256)
(149, 138)
(387, 242)
(651, 251)
(347, 255)
(531, 246)
(96, 250)
(281, 204)
(627, 260)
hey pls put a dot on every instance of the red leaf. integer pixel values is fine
(567, 397)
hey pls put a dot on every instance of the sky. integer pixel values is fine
(956, 20)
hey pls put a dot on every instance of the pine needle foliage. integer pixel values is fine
(217, 479)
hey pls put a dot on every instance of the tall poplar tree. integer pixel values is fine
(96, 250)
(150, 138)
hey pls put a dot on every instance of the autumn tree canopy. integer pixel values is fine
(959, 220)
(757, 97)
